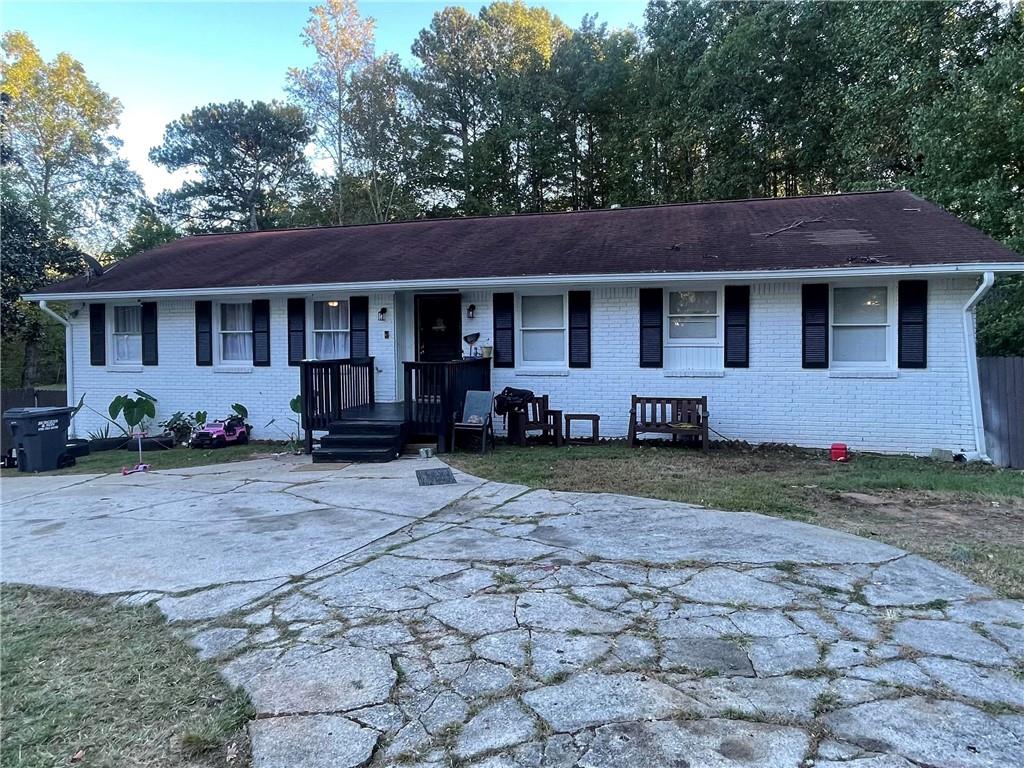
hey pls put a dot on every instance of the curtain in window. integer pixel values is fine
(127, 334)
(236, 332)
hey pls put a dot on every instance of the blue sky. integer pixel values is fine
(163, 59)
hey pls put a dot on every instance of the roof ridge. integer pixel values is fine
(472, 217)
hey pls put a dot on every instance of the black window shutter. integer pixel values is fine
(97, 334)
(913, 324)
(359, 325)
(150, 355)
(737, 326)
(204, 333)
(261, 332)
(815, 321)
(504, 330)
(651, 328)
(579, 329)
(296, 331)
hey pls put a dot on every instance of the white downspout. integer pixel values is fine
(987, 279)
(69, 356)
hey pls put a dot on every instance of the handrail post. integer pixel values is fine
(306, 398)
(370, 368)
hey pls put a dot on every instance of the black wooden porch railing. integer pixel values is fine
(435, 393)
(328, 387)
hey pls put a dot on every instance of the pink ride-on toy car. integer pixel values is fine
(221, 432)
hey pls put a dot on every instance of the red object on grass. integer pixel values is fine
(839, 452)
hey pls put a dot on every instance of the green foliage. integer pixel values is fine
(135, 410)
(1001, 319)
(247, 159)
(181, 424)
(148, 231)
(240, 410)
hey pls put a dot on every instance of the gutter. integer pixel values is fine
(511, 282)
(987, 279)
(69, 356)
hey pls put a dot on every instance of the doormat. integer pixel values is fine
(441, 476)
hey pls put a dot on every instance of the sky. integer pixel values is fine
(163, 59)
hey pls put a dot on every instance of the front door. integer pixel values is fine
(438, 327)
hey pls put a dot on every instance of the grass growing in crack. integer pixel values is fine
(825, 702)
(964, 516)
(83, 674)
(504, 578)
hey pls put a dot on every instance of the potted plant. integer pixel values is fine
(182, 424)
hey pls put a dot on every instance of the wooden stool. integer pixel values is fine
(593, 418)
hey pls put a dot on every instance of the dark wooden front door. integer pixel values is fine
(438, 327)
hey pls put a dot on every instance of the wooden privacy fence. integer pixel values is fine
(1001, 380)
(26, 398)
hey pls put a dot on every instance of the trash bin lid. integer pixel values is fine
(37, 413)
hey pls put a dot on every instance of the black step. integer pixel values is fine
(360, 441)
(360, 427)
(326, 455)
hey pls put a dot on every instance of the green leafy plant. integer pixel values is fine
(134, 410)
(100, 434)
(294, 443)
(241, 410)
(181, 424)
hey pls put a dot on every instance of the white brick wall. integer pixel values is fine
(774, 400)
(179, 384)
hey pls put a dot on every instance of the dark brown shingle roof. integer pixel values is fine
(876, 228)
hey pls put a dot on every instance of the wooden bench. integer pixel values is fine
(676, 416)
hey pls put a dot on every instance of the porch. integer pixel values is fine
(338, 398)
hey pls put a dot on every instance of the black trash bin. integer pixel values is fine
(40, 437)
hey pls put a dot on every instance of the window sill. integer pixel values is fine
(232, 369)
(858, 373)
(542, 372)
(716, 373)
(125, 368)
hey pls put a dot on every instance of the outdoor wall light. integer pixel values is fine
(332, 303)
(383, 313)
(471, 311)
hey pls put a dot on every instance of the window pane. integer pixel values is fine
(127, 319)
(236, 317)
(859, 305)
(127, 348)
(692, 328)
(328, 318)
(236, 347)
(693, 302)
(543, 312)
(855, 344)
(544, 346)
(329, 346)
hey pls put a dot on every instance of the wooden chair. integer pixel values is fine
(540, 417)
(476, 417)
(676, 416)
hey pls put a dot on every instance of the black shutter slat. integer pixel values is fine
(261, 333)
(504, 330)
(359, 325)
(652, 325)
(150, 354)
(296, 331)
(737, 326)
(97, 334)
(204, 333)
(579, 329)
(913, 324)
(815, 322)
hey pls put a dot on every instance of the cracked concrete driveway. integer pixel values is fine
(374, 622)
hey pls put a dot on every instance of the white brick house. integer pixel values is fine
(808, 321)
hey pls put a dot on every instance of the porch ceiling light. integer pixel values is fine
(332, 303)
(471, 311)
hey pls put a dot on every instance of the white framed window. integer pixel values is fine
(234, 332)
(862, 326)
(693, 318)
(126, 334)
(543, 340)
(330, 329)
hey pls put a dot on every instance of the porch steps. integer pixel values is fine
(361, 440)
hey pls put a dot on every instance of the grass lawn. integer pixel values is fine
(968, 517)
(175, 458)
(89, 683)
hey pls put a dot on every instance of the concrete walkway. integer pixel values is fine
(375, 622)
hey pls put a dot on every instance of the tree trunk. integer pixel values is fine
(30, 368)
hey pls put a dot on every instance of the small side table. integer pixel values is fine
(593, 418)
